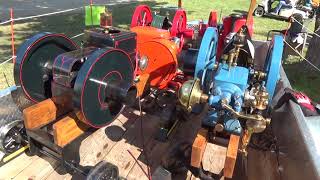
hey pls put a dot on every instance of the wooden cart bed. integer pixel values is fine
(119, 143)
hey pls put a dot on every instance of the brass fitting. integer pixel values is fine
(245, 141)
(259, 75)
(261, 98)
(239, 41)
(254, 121)
(190, 94)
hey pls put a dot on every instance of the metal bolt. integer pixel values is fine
(254, 103)
(45, 77)
(237, 104)
(137, 79)
(236, 96)
(219, 128)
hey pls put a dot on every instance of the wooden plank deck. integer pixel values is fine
(113, 144)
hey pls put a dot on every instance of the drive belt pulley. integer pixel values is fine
(103, 85)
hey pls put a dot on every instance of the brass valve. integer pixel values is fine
(239, 41)
(259, 75)
(261, 98)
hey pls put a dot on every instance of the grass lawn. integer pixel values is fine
(73, 23)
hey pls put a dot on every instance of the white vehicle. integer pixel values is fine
(265, 8)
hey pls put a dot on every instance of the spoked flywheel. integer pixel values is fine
(179, 26)
(142, 16)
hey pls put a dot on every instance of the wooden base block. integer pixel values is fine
(231, 158)
(67, 129)
(40, 114)
(198, 148)
(214, 158)
(45, 112)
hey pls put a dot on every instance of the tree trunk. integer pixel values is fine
(313, 53)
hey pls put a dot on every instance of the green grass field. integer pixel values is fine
(73, 23)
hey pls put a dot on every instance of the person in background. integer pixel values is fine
(315, 5)
(284, 3)
(308, 3)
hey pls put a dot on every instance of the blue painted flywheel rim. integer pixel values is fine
(273, 65)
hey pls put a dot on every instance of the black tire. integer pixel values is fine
(259, 11)
(103, 171)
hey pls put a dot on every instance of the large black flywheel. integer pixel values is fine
(32, 70)
(103, 85)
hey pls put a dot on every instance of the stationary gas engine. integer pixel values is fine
(165, 33)
(94, 80)
(237, 91)
(110, 69)
(230, 25)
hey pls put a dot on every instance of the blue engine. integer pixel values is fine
(230, 85)
(234, 90)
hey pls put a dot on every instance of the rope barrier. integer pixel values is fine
(77, 35)
(41, 15)
(63, 11)
(311, 32)
(4, 62)
(314, 66)
(7, 60)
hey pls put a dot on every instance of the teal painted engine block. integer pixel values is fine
(237, 93)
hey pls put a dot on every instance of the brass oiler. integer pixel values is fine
(239, 41)
(261, 98)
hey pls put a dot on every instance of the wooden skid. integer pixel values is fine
(198, 148)
(114, 142)
(214, 158)
(67, 129)
(45, 112)
(231, 158)
(40, 114)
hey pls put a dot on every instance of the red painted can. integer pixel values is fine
(106, 19)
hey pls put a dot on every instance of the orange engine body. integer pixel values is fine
(147, 33)
(161, 53)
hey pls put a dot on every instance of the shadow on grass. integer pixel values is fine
(301, 80)
(71, 24)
